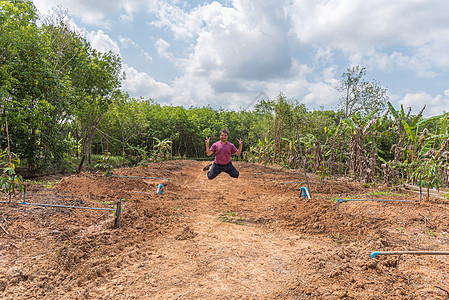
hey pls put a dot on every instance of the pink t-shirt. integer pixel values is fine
(223, 152)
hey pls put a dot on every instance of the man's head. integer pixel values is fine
(224, 135)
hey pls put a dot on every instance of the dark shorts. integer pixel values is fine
(217, 169)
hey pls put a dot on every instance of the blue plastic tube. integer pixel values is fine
(377, 253)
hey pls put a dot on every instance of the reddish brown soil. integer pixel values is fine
(246, 238)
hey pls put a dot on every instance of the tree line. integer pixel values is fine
(50, 76)
(63, 99)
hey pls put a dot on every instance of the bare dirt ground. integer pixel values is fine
(248, 238)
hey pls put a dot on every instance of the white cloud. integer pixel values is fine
(98, 12)
(90, 12)
(364, 30)
(353, 25)
(244, 42)
(102, 42)
(162, 47)
(182, 24)
(127, 42)
(321, 94)
(435, 105)
(238, 48)
(140, 83)
(446, 93)
(323, 55)
(226, 55)
(237, 93)
(376, 60)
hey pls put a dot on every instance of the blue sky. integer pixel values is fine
(224, 53)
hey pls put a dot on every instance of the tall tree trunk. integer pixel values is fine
(80, 165)
(87, 144)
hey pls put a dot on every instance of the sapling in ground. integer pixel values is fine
(9, 180)
(104, 165)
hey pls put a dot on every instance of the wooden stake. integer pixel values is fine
(118, 214)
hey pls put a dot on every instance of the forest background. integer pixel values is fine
(61, 103)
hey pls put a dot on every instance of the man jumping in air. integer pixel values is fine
(222, 161)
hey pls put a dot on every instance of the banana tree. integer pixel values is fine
(264, 151)
(408, 133)
(162, 150)
(336, 143)
(433, 155)
(418, 146)
(288, 154)
(364, 152)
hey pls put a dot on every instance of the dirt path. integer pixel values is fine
(219, 254)
(215, 253)
(246, 238)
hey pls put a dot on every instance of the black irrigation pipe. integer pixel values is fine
(118, 209)
(375, 200)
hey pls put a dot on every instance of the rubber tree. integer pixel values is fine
(124, 123)
(96, 84)
(31, 95)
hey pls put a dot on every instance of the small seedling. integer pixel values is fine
(239, 223)
(50, 184)
(104, 165)
(108, 202)
(230, 213)
(9, 180)
(223, 218)
(430, 233)
(336, 238)
(332, 199)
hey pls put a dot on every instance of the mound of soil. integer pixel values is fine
(251, 237)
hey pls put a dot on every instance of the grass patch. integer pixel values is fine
(230, 217)
(430, 233)
(339, 238)
(115, 161)
(383, 194)
(223, 218)
(48, 184)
